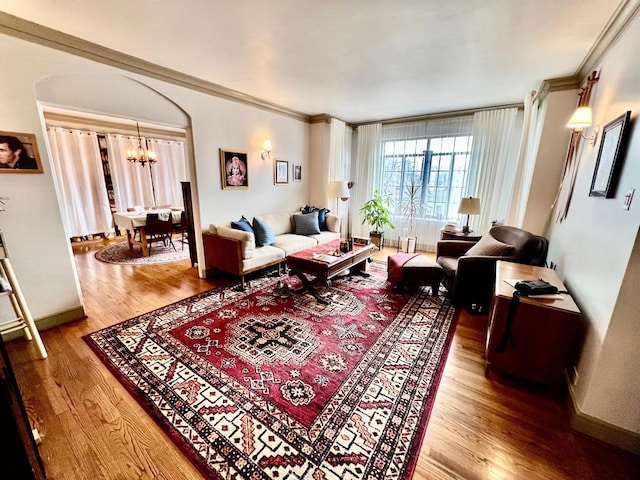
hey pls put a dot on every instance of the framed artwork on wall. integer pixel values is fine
(234, 169)
(281, 172)
(19, 153)
(610, 156)
(297, 173)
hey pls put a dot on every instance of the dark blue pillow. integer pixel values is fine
(263, 232)
(322, 220)
(242, 224)
(306, 223)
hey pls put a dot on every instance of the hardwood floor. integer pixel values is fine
(91, 428)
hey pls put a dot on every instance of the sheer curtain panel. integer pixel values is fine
(169, 171)
(78, 167)
(366, 174)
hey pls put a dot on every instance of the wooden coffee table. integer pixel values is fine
(306, 262)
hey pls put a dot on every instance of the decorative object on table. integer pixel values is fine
(234, 169)
(296, 396)
(281, 172)
(469, 206)
(142, 156)
(376, 214)
(120, 254)
(613, 147)
(19, 153)
(297, 173)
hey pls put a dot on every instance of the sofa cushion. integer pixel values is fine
(292, 243)
(333, 223)
(279, 222)
(242, 224)
(263, 232)
(322, 213)
(263, 256)
(487, 245)
(324, 237)
(306, 223)
(247, 239)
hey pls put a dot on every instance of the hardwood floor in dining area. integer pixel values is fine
(92, 428)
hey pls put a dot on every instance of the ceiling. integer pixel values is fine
(357, 60)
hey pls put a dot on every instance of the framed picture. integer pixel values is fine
(19, 153)
(610, 155)
(297, 173)
(281, 172)
(234, 169)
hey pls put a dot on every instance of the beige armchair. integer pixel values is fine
(469, 268)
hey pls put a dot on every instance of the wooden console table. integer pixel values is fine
(543, 331)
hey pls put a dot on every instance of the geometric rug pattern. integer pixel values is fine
(119, 253)
(252, 385)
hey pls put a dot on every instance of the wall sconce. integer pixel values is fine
(582, 118)
(266, 149)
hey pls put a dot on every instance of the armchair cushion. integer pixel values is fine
(487, 245)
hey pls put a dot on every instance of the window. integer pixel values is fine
(438, 165)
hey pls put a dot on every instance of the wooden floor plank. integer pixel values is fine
(480, 428)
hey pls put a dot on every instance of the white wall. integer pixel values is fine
(593, 248)
(40, 250)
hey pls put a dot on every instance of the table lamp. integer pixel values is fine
(469, 206)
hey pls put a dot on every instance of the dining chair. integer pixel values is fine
(158, 230)
(182, 227)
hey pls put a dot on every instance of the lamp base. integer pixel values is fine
(465, 229)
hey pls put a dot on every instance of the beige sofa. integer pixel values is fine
(234, 251)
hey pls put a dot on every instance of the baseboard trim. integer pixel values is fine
(608, 433)
(51, 321)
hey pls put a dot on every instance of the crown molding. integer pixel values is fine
(41, 35)
(613, 30)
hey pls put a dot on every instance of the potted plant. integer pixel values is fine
(376, 213)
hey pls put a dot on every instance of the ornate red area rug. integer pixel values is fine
(254, 385)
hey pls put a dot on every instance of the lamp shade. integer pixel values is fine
(581, 118)
(469, 206)
(338, 190)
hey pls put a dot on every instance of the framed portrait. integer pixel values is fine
(281, 172)
(297, 173)
(19, 153)
(234, 169)
(610, 156)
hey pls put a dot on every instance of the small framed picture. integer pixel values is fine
(234, 169)
(281, 172)
(19, 153)
(297, 173)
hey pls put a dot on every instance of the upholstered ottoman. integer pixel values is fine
(412, 270)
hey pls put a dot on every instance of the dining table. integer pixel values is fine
(137, 220)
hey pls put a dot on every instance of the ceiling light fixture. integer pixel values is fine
(141, 155)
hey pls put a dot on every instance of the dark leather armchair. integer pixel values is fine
(469, 269)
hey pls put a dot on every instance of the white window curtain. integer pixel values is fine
(531, 131)
(80, 178)
(132, 182)
(169, 171)
(338, 165)
(366, 174)
(492, 174)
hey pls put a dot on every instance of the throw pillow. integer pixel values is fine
(487, 245)
(322, 219)
(306, 223)
(264, 234)
(242, 224)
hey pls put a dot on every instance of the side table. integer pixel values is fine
(458, 235)
(543, 330)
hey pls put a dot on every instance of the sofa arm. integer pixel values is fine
(453, 248)
(334, 222)
(222, 253)
(247, 240)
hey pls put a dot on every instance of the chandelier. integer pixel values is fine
(141, 155)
